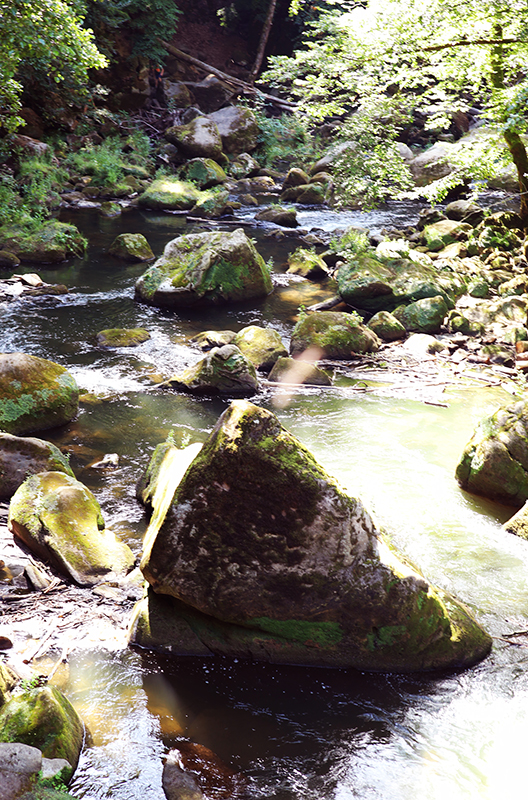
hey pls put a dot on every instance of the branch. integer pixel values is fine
(469, 43)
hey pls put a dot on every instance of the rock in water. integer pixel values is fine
(264, 556)
(205, 269)
(35, 394)
(494, 463)
(60, 520)
(224, 370)
(21, 456)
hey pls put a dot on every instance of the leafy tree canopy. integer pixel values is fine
(46, 35)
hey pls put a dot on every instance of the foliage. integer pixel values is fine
(109, 162)
(45, 38)
(351, 243)
(26, 200)
(284, 140)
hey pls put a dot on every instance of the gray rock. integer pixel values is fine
(21, 456)
(19, 768)
(238, 129)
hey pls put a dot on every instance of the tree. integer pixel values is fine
(394, 56)
(45, 35)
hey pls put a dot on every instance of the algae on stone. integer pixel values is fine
(131, 247)
(122, 337)
(51, 243)
(21, 456)
(266, 557)
(224, 370)
(262, 346)
(334, 334)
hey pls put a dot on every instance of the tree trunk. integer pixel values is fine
(263, 40)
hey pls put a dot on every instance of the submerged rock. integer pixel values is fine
(224, 370)
(192, 771)
(122, 337)
(206, 269)
(21, 456)
(263, 556)
(494, 463)
(60, 520)
(35, 394)
(333, 334)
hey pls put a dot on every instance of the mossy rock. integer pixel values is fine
(307, 264)
(122, 337)
(170, 193)
(387, 327)
(296, 177)
(35, 394)
(518, 524)
(224, 370)
(21, 456)
(494, 463)
(8, 681)
(51, 243)
(8, 260)
(44, 718)
(110, 209)
(262, 346)
(263, 556)
(203, 172)
(298, 371)
(312, 194)
(60, 520)
(238, 129)
(202, 269)
(333, 334)
(286, 217)
(423, 316)
(131, 247)
(199, 139)
(209, 339)
(244, 166)
(211, 203)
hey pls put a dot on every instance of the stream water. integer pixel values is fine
(296, 733)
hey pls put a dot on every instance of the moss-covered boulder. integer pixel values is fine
(198, 139)
(286, 217)
(333, 334)
(423, 316)
(206, 340)
(307, 264)
(387, 327)
(60, 520)
(203, 172)
(21, 456)
(44, 718)
(244, 166)
(375, 285)
(224, 370)
(50, 243)
(296, 177)
(35, 394)
(122, 337)
(211, 203)
(262, 346)
(131, 247)
(170, 193)
(8, 681)
(206, 269)
(298, 371)
(494, 463)
(444, 232)
(262, 555)
(238, 129)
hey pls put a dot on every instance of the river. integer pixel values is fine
(314, 734)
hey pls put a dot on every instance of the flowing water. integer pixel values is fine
(296, 733)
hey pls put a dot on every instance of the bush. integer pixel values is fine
(285, 140)
(109, 162)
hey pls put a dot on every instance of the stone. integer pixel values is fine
(169, 193)
(387, 327)
(262, 346)
(177, 94)
(43, 717)
(423, 344)
(35, 394)
(464, 211)
(311, 195)
(20, 765)
(209, 339)
(444, 232)
(60, 520)
(423, 316)
(224, 370)
(327, 162)
(263, 556)
(8, 680)
(375, 284)
(204, 269)
(8, 260)
(21, 456)
(517, 285)
(332, 334)
(494, 463)
(122, 337)
(244, 166)
(203, 172)
(211, 203)
(191, 769)
(210, 94)
(286, 217)
(296, 177)
(432, 164)
(110, 209)
(518, 524)
(131, 247)
(51, 243)
(238, 129)
(200, 138)
(298, 371)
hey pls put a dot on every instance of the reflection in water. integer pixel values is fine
(297, 733)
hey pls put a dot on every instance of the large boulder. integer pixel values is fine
(170, 193)
(200, 138)
(44, 718)
(50, 243)
(432, 164)
(35, 394)
(262, 555)
(423, 316)
(494, 463)
(224, 370)
(60, 520)
(20, 765)
(262, 346)
(332, 334)
(203, 172)
(131, 247)
(374, 284)
(210, 94)
(206, 269)
(21, 456)
(238, 128)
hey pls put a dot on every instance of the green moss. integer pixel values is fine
(325, 634)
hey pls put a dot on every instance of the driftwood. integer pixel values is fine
(248, 88)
